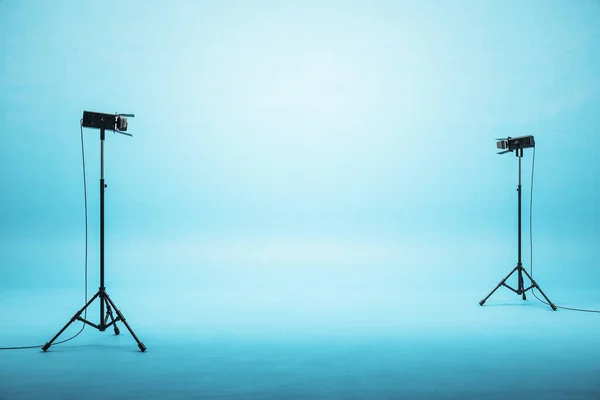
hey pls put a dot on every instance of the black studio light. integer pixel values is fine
(116, 123)
(110, 122)
(517, 144)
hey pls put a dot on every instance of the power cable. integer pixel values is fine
(86, 252)
(531, 245)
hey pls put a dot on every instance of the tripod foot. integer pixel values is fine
(553, 307)
(482, 302)
(524, 297)
(46, 347)
(117, 331)
(141, 346)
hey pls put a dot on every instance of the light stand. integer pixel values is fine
(519, 268)
(105, 300)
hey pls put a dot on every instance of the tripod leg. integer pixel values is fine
(122, 318)
(112, 318)
(73, 319)
(521, 284)
(482, 302)
(534, 283)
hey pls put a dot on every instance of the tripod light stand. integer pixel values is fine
(116, 123)
(517, 144)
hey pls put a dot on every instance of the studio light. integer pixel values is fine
(517, 144)
(111, 122)
(510, 144)
(117, 123)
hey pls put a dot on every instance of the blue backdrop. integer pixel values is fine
(290, 147)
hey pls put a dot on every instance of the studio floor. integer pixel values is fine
(402, 345)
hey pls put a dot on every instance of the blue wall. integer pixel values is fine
(284, 144)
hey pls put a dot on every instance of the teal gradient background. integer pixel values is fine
(283, 131)
(296, 165)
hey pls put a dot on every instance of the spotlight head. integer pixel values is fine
(514, 143)
(112, 122)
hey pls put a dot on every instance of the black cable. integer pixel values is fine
(531, 245)
(86, 253)
(86, 235)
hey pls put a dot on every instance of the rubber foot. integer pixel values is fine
(141, 346)
(46, 347)
(481, 302)
(553, 307)
(117, 331)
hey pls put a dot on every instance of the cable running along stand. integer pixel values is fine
(107, 305)
(518, 144)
